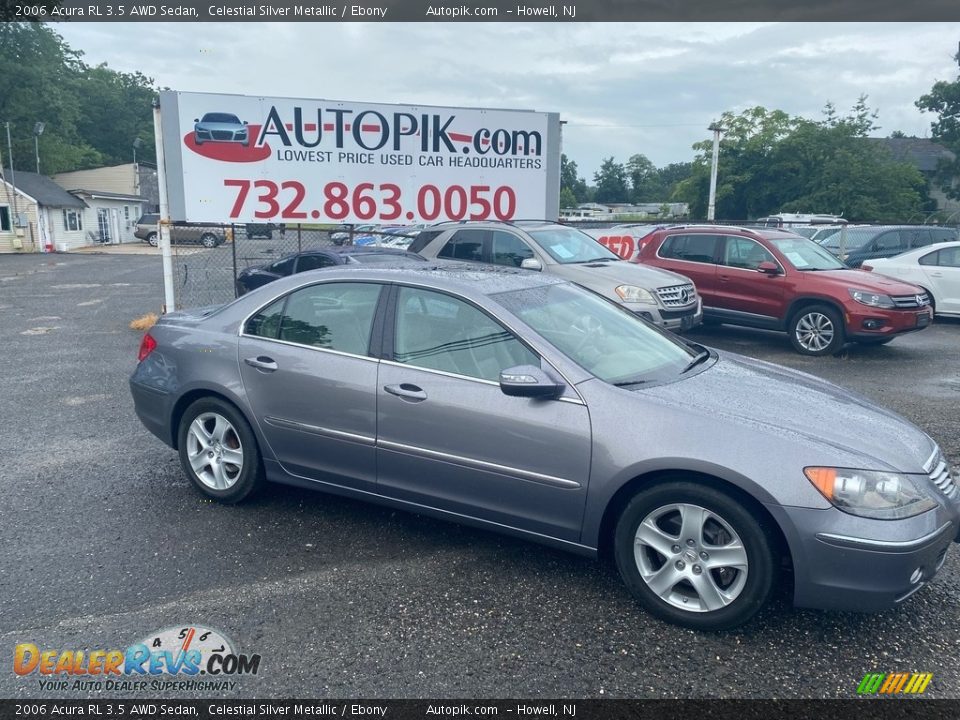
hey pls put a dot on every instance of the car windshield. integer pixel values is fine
(805, 254)
(599, 336)
(568, 245)
(220, 118)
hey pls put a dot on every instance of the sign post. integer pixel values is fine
(163, 227)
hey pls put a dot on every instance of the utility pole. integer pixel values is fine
(37, 132)
(711, 207)
(13, 177)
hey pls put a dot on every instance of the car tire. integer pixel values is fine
(153, 240)
(817, 330)
(209, 240)
(213, 432)
(676, 582)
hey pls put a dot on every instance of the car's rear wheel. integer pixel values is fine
(209, 240)
(694, 556)
(817, 330)
(218, 451)
(153, 240)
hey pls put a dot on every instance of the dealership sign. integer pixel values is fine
(236, 158)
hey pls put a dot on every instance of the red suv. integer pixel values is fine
(780, 281)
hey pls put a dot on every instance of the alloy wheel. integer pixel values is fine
(214, 451)
(815, 332)
(690, 557)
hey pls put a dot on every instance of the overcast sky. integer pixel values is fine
(650, 88)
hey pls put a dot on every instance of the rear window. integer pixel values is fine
(422, 240)
(149, 220)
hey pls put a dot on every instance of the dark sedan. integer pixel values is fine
(255, 277)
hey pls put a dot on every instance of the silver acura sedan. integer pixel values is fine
(523, 403)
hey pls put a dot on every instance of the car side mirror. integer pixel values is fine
(196, 119)
(531, 264)
(767, 267)
(528, 381)
(245, 122)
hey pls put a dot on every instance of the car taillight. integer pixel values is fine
(147, 346)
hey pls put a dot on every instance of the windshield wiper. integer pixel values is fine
(701, 357)
(599, 259)
(627, 383)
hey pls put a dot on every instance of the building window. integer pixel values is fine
(126, 212)
(72, 221)
(4, 218)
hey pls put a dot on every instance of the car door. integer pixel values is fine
(693, 255)
(306, 369)
(944, 278)
(448, 437)
(754, 297)
(885, 245)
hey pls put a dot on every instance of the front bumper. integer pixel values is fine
(843, 562)
(864, 322)
(679, 320)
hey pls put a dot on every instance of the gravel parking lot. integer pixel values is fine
(102, 541)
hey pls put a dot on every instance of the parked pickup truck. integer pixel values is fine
(207, 235)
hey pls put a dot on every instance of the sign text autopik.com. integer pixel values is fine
(372, 130)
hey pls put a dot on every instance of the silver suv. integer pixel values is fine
(659, 296)
(210, 236)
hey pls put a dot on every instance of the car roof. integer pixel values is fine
(464, 278)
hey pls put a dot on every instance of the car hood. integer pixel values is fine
(603, 276)
(863, 280)
(801, 407)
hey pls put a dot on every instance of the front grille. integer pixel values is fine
(677, 295)
(222, 135)
(911, 301)
(940, 476)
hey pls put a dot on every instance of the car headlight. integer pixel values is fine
(871, 494)
(634, 294)
(872, 299)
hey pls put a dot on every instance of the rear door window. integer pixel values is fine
(692, 248)
(888, 242)
(919, 237)
(314, 262)
(464, 245)
(283, 267)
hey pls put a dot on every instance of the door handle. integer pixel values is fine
(406, 391)
(262, 362)
(936, 274)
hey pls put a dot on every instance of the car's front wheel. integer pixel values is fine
(218, 451)
(694, 556)
(817, 330)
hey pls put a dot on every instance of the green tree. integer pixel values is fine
(571, 180)
(644, 179)
(944, 100)
(770, 162)
(611, 180)
(567, 198)
(91, 115)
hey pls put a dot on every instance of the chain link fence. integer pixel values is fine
(208, 258)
